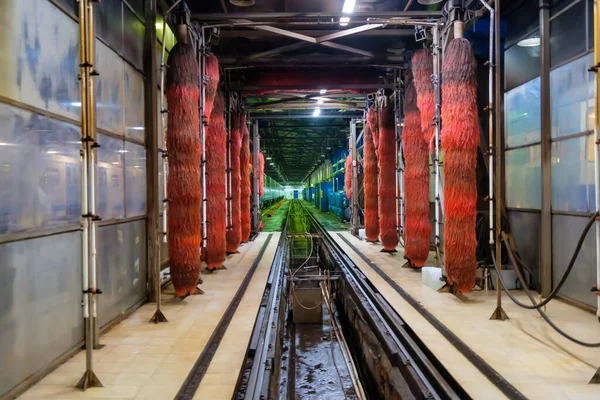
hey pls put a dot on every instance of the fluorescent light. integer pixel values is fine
(317, 112)
(271, 163)
(320, 101)
(6, 144)
(137, 128)
(116, 163)
(348, 6)
(52, 152)
(76, 104)
(529, 42)
(268, 158)
(122, 151)
(344, 21)
(323, 91)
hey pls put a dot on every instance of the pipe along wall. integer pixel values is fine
(460, 140)
(184, 187)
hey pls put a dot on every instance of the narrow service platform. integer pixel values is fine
(142, 360)
(523, 350)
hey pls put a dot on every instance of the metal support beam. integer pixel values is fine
(354, 221)
(316, 88)
(256, 215)
(304, 116)
(596, 69)
(546, 148)
(437, 88)
(253, 34)
(313, 15)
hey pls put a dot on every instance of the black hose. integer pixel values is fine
(562, 281)
(542, 314)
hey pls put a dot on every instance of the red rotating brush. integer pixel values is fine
(422, 70)
(212, 72)
(234, 234)
(261, 174)
(416, 181)
(348, 177)
(387, 179)
(371, 184)
(373, 122)
(216, 152)
(245, 175)
(185, 190)
(460, 139)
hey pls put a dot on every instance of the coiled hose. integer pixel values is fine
(536, 305)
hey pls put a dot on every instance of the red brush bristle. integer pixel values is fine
(245, 178)
(234, 234)
(216, 152)
(348, 177)
(416, 181)
(212, 72)
(422, 70)
(386, 152)
(373, 122)
(261, 174)
(183, 185)
(460, 139)
(371, 184)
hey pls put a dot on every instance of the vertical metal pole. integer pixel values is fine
(228, 188)
(437, 90)
(499, 154)
(203, 124)
(546, 147)
(354, 200)
(596, 69)
(151, 125)
(88, 145)
(256, 176)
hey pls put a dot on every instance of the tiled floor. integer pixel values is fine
(523, 349)
(142, 360)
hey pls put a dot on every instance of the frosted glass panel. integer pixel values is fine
(40, 171)
(110, 178)
(571, 96)
(40, 294)
(566, 231)
(109, 89)
(40, 56)
(523, 177)
(525, 227)
(573, 174)
(134, 104)
(135, 179)
(523, 114)
(133, 38)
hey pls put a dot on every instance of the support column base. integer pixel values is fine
(596, 378)
(158, 317)
(499, 314)
(89, 380)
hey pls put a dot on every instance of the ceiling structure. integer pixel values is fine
(281, 54)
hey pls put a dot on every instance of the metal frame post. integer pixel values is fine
(546, 148)
(354, 225)
(398, 109)
(203, 124)
(228, 188)
(256, 178)
(88, 204)
(596, 69)
(437, 90)
(151, 125)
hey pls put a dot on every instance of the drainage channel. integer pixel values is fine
(324, 332)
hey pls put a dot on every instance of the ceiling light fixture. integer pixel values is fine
(349, 6)
(529, 42)
(268, 158)
(323, 91)
(317, 112)
(320, 101)
(76, 104)
(344, 21)
(52, 152)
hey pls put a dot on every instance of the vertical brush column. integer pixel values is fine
(371, 186)
(261, 174)
(245, 180)
(184, 188)
(234, 234)
(422, 70)
(216, 152)
(416, 175)
(386, 151)
(348, 177)
(354, 221)
(460, 139)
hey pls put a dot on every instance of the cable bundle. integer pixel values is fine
(416, 180)
(387, 178)
(261, 174)
(371, 185)
(216, 146)
(234, 234)
(422, 70)
(184, 187)
(245, 179)
(348, 177)
(460, 140)
(212, 73)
